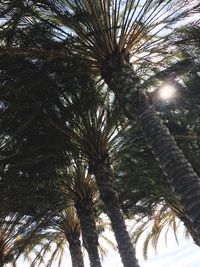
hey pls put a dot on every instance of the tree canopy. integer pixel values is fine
(81, 120)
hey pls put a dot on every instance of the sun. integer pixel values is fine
(166, 92)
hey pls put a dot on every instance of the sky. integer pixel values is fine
(184, 254)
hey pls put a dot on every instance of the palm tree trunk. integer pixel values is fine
(2, 261)
(109, 195)
(75, 250)
(179, 171)
(1, 257)
(89, 232)
(190, 229)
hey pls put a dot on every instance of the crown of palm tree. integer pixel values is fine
(67, 221)
(77, 184)
(110, 32)
(93, 128)
(106, 31)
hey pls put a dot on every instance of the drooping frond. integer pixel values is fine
(162, 220)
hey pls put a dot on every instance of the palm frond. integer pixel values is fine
(162, 220)
(104, 28)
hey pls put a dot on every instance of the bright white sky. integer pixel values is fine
(186, 254)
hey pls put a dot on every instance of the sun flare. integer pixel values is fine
(166, 92)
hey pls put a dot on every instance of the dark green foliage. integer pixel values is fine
(34, 91)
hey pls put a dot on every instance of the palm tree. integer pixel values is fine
(114, 38)
(68, 223)
(93, 132)
(58, 228)
(73, 237)
(80, 200)
(80, 187)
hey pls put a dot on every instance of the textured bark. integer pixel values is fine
(109, 195)
(89, 232)
(75, 250)
(184, 180)
(190, 229)
(1, 258)
(179, 171)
